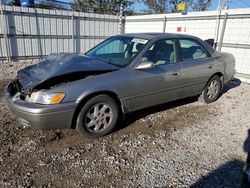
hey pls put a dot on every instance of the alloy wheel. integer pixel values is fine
(213, 89)
(98, 117)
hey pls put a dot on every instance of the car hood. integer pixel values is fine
(60, 66)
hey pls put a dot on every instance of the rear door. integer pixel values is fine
(197, 66)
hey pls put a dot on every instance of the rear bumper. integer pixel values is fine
(41, 116)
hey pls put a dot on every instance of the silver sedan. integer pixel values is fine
(90, 92)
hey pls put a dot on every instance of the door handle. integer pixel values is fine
(176, 74)
(210, 66)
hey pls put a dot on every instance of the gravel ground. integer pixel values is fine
(180, 144)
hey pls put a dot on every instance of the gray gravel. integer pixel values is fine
(180, 144)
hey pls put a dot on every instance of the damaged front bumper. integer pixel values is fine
(37, 116)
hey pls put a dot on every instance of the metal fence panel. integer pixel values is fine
(35, 33)
(236, 39)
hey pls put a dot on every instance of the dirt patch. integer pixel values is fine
(178, 144)
(2, 87)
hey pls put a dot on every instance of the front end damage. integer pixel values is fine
(29, 98)
(38, 116)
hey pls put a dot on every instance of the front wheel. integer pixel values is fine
(98, 116)
(212, 90)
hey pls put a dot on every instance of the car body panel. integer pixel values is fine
(135, 89)
(41, 116)
(61, 65)
(225, 63)
(162, 85)
(100, 83)
(195, 74)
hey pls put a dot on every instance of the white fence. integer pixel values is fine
(235, 39)
(27, 33)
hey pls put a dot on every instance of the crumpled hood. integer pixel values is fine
(59, 65)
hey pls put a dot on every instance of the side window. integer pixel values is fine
(191, 49)
(161, 52)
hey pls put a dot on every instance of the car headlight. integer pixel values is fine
(47, 98)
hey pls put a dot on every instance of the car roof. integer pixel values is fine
(150, 36)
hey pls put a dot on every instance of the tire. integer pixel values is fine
(212, 90)
(98, 116)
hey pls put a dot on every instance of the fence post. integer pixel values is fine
(222, 31)
(4, 27)
(39, 42)
(164, 24)
(217, 28)
(121, 20)
(73, 32)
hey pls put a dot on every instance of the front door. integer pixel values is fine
(158, 84)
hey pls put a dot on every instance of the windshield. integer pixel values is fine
(119, 50)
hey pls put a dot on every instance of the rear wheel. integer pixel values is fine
(212, 90)
(98, 116)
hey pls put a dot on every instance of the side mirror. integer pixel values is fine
(145, 65)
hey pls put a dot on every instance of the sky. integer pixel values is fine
(232, 4)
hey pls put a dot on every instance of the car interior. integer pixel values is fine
(193, 52)
(162, 52)
(120, 53)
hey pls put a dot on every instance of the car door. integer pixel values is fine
(158, 84)
(197, 66)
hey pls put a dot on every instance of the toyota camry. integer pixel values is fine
(90, 92)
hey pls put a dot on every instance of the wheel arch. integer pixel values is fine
(221, 76)
(111, 94)
(201, 95)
